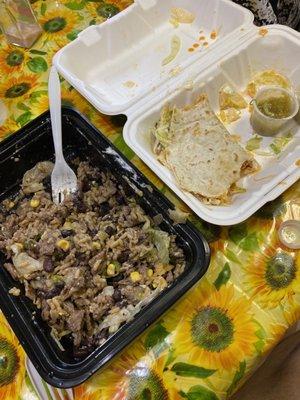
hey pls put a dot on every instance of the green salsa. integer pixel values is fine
(279, 106)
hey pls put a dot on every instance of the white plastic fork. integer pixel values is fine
(63, 179)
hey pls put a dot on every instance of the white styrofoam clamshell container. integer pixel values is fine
(98, 65)
(130, 47)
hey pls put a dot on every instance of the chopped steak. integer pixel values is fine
(89, 263)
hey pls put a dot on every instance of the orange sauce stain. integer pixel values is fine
(298, 163)
(263, 32)
(191, 49)
(213, 35)
(195, 45)
(202, 38)
(205, 44)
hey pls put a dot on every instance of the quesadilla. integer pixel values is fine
(204, 158)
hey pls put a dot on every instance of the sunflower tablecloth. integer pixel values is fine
(212, 339)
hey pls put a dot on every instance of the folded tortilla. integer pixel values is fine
(204, 158)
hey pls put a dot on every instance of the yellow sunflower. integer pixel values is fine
(104, 10)
(12, 363)
(57, 24)
(272, 275)
(217, 330)
(12, 59)
(71, 98)
(17, 87)
(10, 126)
(40, 104)
(131, 376)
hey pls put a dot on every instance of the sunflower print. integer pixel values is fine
(71, 98)
(57, 24)
(8, 127)
(272, 275)
(100, 11)
(217, 330)
(18, 87)
(132, 376)
(92, 8)
(12, 363)
(12, 59)
(40, 105)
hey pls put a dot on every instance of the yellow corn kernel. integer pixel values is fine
(34, 203)
(68, 225)
(111, 270)
(135, 276)
(63, 244)
(149, 272)
(96, 245)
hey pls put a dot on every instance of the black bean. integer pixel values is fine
(117, 296)
(103, 209)
(48, 265)
(85, 185)
(55, 291)
(123, 257)
(110, 230)
(115, 279)
(66, 232)
(78, 203)
(120, 199)
(93, 232)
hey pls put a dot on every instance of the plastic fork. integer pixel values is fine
(63, 179)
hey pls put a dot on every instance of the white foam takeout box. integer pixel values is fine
(117, 67)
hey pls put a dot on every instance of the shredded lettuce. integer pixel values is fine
(279, 143)
(254, 143)
(162, 130)
(161, 241)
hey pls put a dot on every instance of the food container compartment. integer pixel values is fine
(279, 49)
(121, 60)
(21, 152)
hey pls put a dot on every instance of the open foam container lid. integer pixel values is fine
(117, 65)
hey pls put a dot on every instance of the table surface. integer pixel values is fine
(207, 345)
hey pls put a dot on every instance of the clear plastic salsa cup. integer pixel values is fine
(273, 108)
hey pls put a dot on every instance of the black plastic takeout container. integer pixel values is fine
(21, 152)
